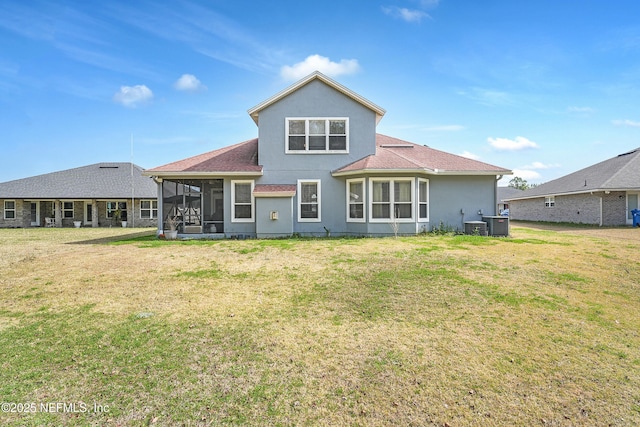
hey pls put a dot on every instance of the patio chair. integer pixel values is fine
(49, 222)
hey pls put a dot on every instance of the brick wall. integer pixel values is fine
(23, 215)
(578, 208)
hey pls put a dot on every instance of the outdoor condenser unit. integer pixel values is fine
(497, 225)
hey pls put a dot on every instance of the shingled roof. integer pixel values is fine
(396, 155)
(619, 173)
(96, 181)
(236, 159)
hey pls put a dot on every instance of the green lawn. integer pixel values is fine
(542, 328)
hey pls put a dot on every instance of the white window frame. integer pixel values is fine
(549, 201)
(420, 202)
(318, 199)
(363, 201)
(70, 211)
(110, 211)
(306, 134)
(6, 209)
(153, 210)
(392, 181)
(234, 203)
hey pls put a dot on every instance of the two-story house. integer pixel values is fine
(318, 167)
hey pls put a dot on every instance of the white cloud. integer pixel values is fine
(408, 15)
(322, 64)
(629, 123)
(504, 144)
(469, 155)
(526, 174)
(189, 83)
(539, 165)
(132, 96)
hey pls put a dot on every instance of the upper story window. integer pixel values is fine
(317, 135)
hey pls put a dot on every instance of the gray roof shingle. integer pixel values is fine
(96, 181)
(618, 173)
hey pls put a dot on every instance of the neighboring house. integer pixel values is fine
(504, 194)
(602, 194)
(90, 194)
(319, 167)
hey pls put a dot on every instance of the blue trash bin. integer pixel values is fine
(636, 217)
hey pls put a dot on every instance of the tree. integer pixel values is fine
(519, 183)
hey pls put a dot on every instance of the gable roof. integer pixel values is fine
(395, 155)
(317, 75)
(96, 181)
(505, 193)
(619, 173)
(238, 159)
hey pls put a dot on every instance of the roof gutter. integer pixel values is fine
(572, 193)
(209, 174)
(424, 171)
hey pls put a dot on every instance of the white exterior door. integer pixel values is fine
(35, 214)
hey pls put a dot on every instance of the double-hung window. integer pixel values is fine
(317, 135)
(355, 200)
(242, 200)
(114, 208)
(549, 202)
(423, 199)
(309, 202)
(148, 209)
(9, 209)
(67, 209)
(391, 199)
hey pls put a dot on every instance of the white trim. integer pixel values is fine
(425, 171)
(87, 218)
(392, 181)
(254, 112)
(35, 223)
(172, 176)
(318, 200)
(5, 210)
(364, 200)
(549, 201)
(307, 134)
(426, 181)
(233, 201)
(151, 209)
(73, 210)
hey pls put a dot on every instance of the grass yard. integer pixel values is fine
(542, 328)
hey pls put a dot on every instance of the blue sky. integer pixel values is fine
(542, 87)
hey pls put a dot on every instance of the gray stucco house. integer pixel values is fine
(318, 167)
(602, 194)
(87, 196)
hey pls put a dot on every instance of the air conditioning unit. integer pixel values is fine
(475, 228)
(497, 225)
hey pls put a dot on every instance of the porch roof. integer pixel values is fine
(238, 159)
